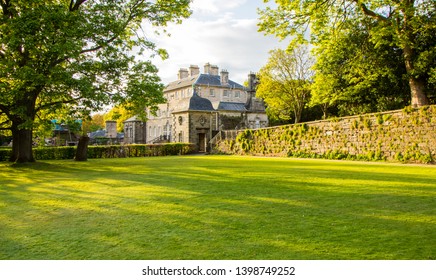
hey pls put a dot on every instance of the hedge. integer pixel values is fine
(112, 151)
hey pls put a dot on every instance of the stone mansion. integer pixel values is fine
(198, 106)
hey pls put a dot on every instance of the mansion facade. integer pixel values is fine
(198, 106)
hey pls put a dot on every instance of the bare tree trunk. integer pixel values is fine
(417, 90)
(417, 85)
(82, 149)
(22, 145)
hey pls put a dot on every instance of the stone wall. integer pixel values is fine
(407, 135)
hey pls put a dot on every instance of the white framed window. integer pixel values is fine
(237, 94)
(212, 92)
(226, 93)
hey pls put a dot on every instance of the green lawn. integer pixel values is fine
(217, 207)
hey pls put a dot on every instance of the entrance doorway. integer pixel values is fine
(202, 142)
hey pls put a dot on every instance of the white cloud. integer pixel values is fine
(225, 40)
(215, 6)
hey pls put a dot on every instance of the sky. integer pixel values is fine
(219, 32)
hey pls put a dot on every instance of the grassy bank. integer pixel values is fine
(217, 207)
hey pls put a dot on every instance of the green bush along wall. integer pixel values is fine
(407, 135)
(111, 151)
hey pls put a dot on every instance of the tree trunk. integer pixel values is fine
(22, 142)
(82, 149)
(417, 85)
(417, 90)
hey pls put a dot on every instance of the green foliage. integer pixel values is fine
(78, 56)
(408, 110)
(367, 123)
(381, 137)
(284, 83)
(5, 154)
(356, 76)
(93, 123)
(109, 151)
(245, 140)
(54, 153)
(119, 114)
(367, 52)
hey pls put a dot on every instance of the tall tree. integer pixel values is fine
(76, 54)
(355, 75)
(119, 114)
(404, 21)
(284, 82)
(93, 123)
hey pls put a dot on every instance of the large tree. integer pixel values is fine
(355, 75)
(76, 54)
(409, 24)
(284, 82)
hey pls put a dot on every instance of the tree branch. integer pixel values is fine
(369, 12)
(3, 123)
(130, 17)
(5, 110)
(51, 104)
(96, 48)
(74, 6)
(5, 4)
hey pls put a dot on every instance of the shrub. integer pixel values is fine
(112, 151)
(46, 153)
(5, 153)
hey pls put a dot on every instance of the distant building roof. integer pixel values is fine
(98, 133)
(203, 79)
(186, 82)
(231, 106)
(133, 119)
(194, 103)
(214, 80)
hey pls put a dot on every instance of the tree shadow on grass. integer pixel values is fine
(198, 210)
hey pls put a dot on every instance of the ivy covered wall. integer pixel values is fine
(407, 135)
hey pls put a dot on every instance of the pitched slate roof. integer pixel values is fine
(231, 106)
(186, 82)
(133, 119)
(194, 103)
(215, 80)
(98, 133)
(202, 79)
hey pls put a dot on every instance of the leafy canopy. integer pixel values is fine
(284, 83)
(79, 55)
(405, 28)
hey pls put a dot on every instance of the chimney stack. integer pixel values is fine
(111, 129)
(183, 73)
(207, 69)
(224, 77)
(194, 70)
(214, 70)
(252, 81)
